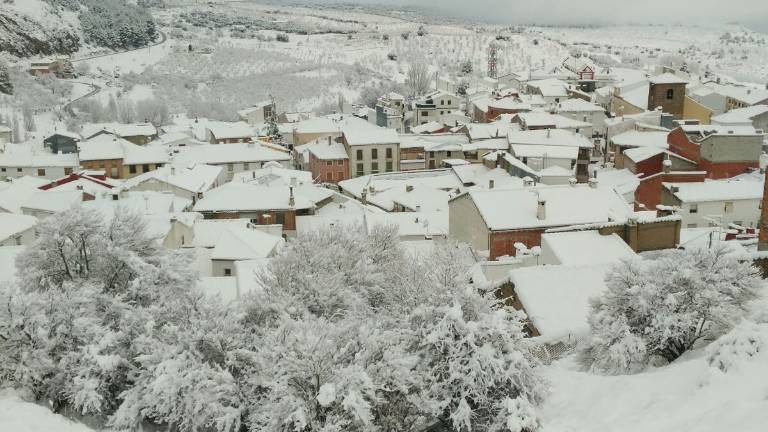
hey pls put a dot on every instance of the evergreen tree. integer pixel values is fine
(6, 86)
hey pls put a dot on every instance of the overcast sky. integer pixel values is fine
(752, 12)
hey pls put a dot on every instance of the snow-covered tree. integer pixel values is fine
(5, 80)
(418, 79)
(660, 308)
(29, 118)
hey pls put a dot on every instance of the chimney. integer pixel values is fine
(364, 197)
(291, 199)
(541, 209)
(408, 188)
(527, 181)
(418, 210)
(329, 140)
(491, 183)
(667, 165)
(548, 133)
(173, 170)
(293, 182)
(498, 159)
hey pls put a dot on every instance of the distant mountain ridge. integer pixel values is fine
(29, 27)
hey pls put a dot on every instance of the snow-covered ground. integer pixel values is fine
(688, 395)
(16, 415)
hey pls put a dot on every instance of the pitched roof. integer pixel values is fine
(13, 224)
(119, 129)
(230, 130)
(248, 197)
(245, 244)
(107, 146)
(550, 137)
(565, 205)
(635, 138)
(740, 115)
(193, 178)
(230, 153)
(716, 190)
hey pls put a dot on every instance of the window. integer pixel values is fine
(374, 153)
(340, 175)
(431, 154)
(113, 172)
(280, 218)
(442, 112)
(329, 176)
(255, 221)
(230, 167)
(158, 165)
(425, 113)
(389, 153)
(132, 169)
(692, 226)
(359, 155)
(374, 167)
(145, 168)
(360, 170)
(449, 101)
(246, 166)
(389, 166)
(18, 169)
(339, 162)
(442, 102)
(449, 111)
(67, 171)
(2, 169)
(670, 94)
(449, 153)
(329, 163)
(227, 272)
(41, 172)
(693, 209)
(728, 207)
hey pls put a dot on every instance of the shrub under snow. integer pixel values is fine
(661, 308)
(348, 334)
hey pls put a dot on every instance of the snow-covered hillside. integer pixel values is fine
(32, 27)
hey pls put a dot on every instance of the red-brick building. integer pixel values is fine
(721, 151)
(328, 161)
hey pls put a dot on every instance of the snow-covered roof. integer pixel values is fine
(157, 208)
(622, 181)
(569, 247)
(8, 255)
(556, 298)
(480, 131)
(326, 149)
(230, 153)
(355, 136)
(256, 107)
(556, 171)
(119, 129)
(565, 205)
(434, 141)
(13, 224)
(410, 224)
(705, 130)
(274, 174)
(551, 137)
(381, 189)
(230, 130)
(740, 116)
(423, 198)
(53, 200)
(748, 95)
(194, 177)
(638, 154)
(716, 190)
(540, 119)
(245, 244)
(550, 87)
(107, 146)
(248, 197)
(206, 232)
(635, 138)
(429, 127)
(511, 160)
(667, 78)
(540, 151)
(15, 192)
(509, 103)
(635, 93)
(18, 156)
(578, 105)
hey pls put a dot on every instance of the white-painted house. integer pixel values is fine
(717, 202)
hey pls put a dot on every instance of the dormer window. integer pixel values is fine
(670, 94)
